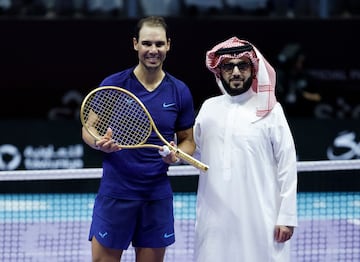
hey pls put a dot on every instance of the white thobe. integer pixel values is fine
(251, 183)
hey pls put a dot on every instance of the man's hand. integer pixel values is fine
(283, 233)
(106, 144)
(168, 155)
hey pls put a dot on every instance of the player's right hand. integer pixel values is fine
(106, 143)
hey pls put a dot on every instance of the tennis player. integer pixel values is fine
(246, 209)
(134, 204)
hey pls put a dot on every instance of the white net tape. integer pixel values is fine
(181, 170)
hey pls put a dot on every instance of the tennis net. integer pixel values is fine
(45, 215)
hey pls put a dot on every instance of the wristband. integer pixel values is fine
(165, 151)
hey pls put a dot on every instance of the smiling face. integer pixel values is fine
(236, 75)
(152, 45)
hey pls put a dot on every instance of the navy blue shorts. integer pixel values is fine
(116, 223)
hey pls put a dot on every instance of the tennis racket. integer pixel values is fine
(126, 115)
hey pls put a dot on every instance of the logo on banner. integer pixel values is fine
(345, 147)
(10, 157)
(41, 157)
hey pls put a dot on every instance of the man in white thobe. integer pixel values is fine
(246, 201)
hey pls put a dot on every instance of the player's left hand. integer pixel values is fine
(168, 155)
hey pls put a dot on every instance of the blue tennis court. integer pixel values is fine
(54, 227)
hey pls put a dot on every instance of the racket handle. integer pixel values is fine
(189, 159)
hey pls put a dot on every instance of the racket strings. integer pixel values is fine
(119, 111)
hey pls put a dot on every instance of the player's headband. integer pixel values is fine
(234, 50)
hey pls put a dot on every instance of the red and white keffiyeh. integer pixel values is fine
(264, 74)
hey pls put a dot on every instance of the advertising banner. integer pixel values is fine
(38, 144)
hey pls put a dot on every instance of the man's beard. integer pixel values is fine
(237, 91)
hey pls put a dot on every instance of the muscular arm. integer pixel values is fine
(90, 124)
(186, 141)
(88, 139)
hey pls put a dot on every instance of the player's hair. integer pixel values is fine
(156, 21)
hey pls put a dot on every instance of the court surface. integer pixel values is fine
(54, 227)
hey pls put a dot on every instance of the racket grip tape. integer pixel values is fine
(189, 159)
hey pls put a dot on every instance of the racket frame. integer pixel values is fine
(178, 152)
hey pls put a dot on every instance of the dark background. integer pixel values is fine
(48, 66)
(43, 60)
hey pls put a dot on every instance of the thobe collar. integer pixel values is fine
(248, 101)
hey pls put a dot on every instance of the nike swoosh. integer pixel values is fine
(165, 105)
(166, 235)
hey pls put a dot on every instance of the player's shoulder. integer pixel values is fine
(176, 81)
(117, 78)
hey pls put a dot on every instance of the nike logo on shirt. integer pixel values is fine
(165, 105)
(166, 235)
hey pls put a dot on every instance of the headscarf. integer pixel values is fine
(264, 77)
